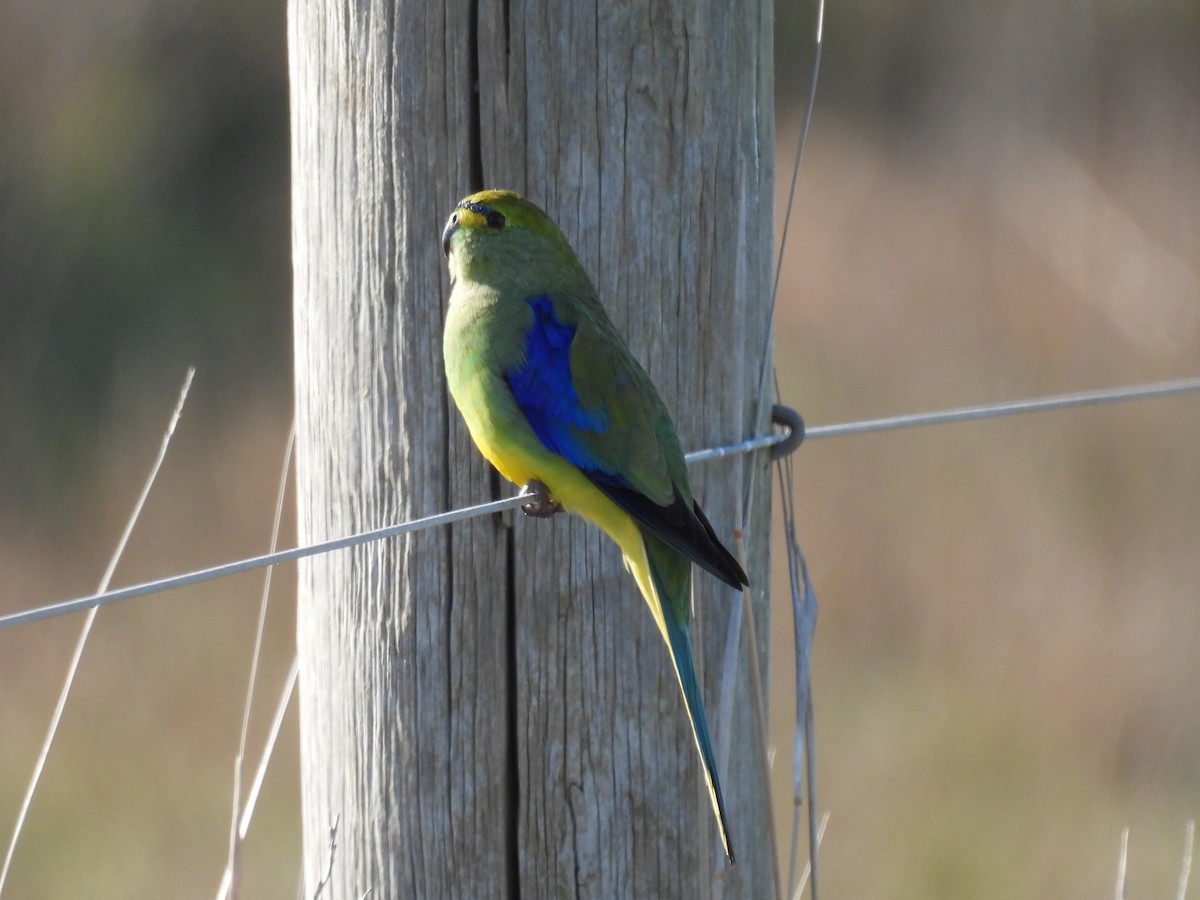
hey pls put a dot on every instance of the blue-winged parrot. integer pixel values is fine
(553, 397)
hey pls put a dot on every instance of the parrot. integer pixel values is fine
(553, 398)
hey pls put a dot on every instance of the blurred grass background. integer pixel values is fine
(998, 200)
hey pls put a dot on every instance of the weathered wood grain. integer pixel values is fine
(487, 709)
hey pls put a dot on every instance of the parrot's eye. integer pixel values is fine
(495, 220)
(454, 219)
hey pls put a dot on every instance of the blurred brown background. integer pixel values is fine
(998, 200)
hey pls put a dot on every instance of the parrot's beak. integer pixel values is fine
(451, 227)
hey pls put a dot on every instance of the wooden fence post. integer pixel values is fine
(487, 708)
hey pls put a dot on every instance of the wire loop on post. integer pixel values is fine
(788, 418)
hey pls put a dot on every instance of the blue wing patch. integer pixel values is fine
(546, 394)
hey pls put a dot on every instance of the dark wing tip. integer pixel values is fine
(680, 525)
(731, 571)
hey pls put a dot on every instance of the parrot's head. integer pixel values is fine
(499, 228)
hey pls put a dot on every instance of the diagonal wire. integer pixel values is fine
(256, 562)
(85, 632)
(103, 598)
(994, 410)
(1062, 401)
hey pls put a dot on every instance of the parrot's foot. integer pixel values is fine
(540, 505)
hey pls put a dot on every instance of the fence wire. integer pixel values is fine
(1061, 401)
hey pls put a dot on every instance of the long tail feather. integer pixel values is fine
(676, 633)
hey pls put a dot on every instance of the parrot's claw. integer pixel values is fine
(540, 505)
